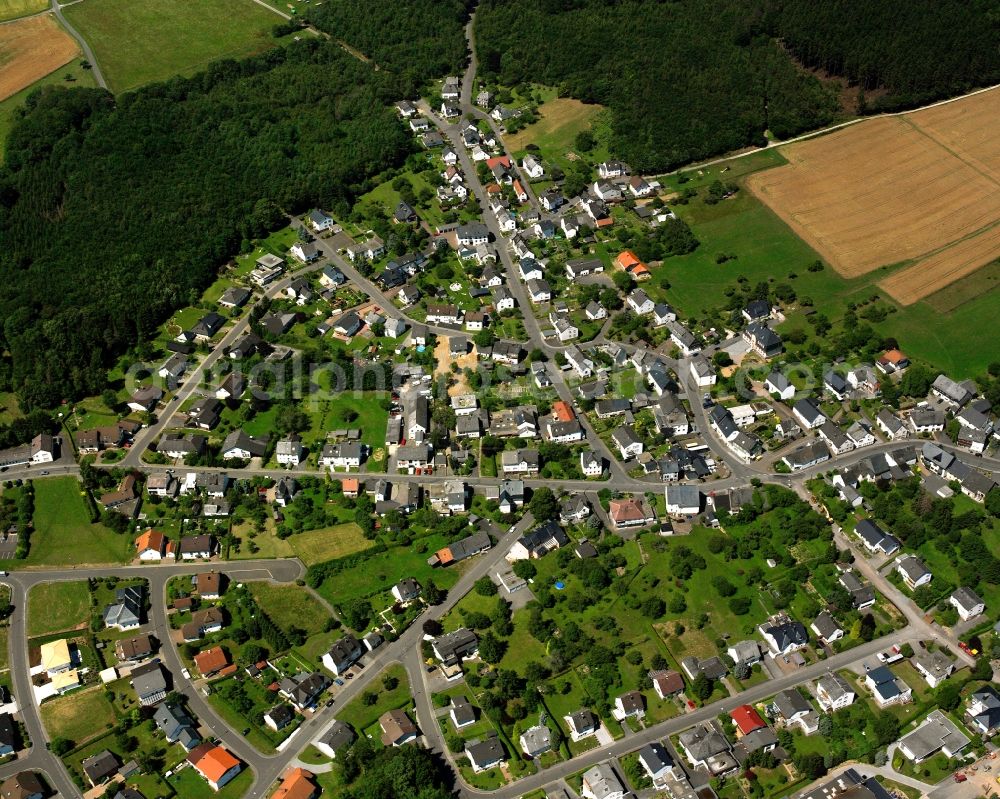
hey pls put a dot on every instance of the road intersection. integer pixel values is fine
(407, 648)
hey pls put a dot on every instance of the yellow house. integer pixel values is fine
(56, 657)
(64, 681)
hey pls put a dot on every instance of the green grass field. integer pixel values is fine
(80, 77)
(12, 9)
(360, 716)
(290, 606)
(141, 41)
(78, 716)
(318, 546)
(380, 572)
(938, 330)
(54, 607)
(63, 533)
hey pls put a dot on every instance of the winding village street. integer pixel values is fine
(407, 648)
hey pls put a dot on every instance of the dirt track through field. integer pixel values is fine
(29, 50)
(924, 186)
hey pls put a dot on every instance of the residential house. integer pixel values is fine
(967, 602)
(336, 738)
(779, 386)
(177, 726)
(631, 704)
(983, 711)
(215, 764)
(785, 636)
(834, 693)
(342, 654)
(826, 628)
(536, 741)
(934, 667)
(485, 754)
(397, 728)
(937, 733)
(630, 512)
(762, 340)
(887, 689)
(600, 782)
(150, 683)
(913, 571)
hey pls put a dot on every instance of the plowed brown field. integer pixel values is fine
(924, 186)
(29, 50)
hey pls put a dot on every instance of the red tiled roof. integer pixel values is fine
(747, 719)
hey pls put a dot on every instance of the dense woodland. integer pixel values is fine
(689, 80)
(910, 51)
(416, 39)
(115, 213)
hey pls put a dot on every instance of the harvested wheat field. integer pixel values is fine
(29, 50)
(941, 269)
(897, 189)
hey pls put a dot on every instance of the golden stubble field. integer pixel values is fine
(922, 187)
(29, 50)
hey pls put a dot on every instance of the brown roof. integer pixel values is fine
(669, 682)
(135, 647)
(209, 583)
(21, 785)
(626, 510)
(395, 724)
(183, 603)
(211, 660)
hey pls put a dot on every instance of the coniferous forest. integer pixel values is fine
(687, 80)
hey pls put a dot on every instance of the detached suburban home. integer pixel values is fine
(936, 734)
(967, 603)
(913, 571)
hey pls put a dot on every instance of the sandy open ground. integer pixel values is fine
(29, 50)
(922, 187)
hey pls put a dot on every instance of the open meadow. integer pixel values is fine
(936, 329)
(920, 189)
(12, 9)
(63, 532)
(30, 49)
(141, 41)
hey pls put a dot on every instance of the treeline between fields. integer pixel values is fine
(115, 212)
(689, 80)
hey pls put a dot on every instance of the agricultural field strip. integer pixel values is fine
(943, 268)
(30, 49)
(955, 193)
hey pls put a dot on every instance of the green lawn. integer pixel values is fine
(63, 533)
(78, 716)
(140, 41)
(290, 606)
(12, 9)
(360, 716)
(188, 784)
(55, 607)
(318, 546)
(383, 570)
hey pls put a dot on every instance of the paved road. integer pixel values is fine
(87, 52)
(194, 380)
(21, 582)
(669, 727)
